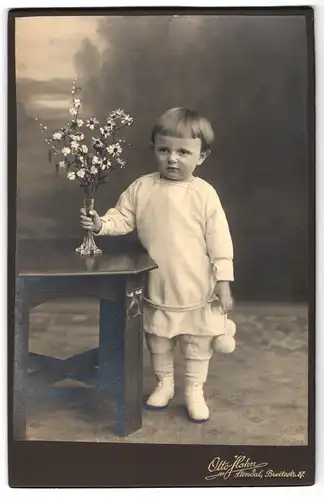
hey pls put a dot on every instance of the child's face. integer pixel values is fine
(177, 157)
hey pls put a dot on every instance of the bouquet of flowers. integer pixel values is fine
(87, 151)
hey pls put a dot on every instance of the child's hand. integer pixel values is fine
(223, 293)
(92, 223)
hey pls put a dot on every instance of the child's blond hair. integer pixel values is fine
(183, 122)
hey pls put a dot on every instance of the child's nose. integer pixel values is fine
(172, 157)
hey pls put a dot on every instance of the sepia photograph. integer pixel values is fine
(163, 231)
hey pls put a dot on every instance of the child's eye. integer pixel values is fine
(184, 152)
(163, 150)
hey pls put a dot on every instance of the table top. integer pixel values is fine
(57, 257)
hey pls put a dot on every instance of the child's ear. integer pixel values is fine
(203, 155)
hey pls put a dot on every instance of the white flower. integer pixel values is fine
(77, 102)
(77, 137)
(121, 162)
(74, 144)
(84, 148)
(96, 160)
(65, 151)
(110, 122)
(106, 131)
(97, 143)
(80, 123)
(106, 164)
(127, 119)
(81, 173)
(57, 136)
(73, 111)
(114, 149)
(71, 176)
(93, 169)
(118, 112)
(92, 123)
(62, 164)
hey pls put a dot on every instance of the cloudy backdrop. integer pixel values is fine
(248, 74)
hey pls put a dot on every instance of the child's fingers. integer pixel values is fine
(94, 214)
(86, 221)
(87, 225)
(222, 306)
(226, 305)
(229, 305)
(83, 211)
(84, 218)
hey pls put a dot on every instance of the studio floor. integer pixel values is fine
(256, 396)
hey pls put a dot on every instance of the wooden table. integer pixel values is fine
(51, 269)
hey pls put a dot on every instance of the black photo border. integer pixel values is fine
(83, 464)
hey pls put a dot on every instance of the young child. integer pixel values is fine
(181, 223)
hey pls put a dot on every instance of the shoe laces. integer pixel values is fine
(196, 387)
(162, 381)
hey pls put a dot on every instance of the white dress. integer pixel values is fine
(183, 227)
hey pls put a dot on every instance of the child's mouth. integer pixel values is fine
(173, 169)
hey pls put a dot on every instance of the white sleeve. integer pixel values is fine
(218, 239)
(121, 219)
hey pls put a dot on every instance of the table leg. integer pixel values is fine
(20, 363)
(120, 359)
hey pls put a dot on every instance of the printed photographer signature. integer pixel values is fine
(244, 467)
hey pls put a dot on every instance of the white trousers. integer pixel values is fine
(197, 351)
(191, 346)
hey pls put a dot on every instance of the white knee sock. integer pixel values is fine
(162, 364)
(196, 370)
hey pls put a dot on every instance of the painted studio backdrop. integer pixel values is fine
(247, 74)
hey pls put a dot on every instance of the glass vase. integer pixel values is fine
(88, 246)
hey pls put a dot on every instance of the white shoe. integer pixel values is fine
(162, 394)
(194, 397)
